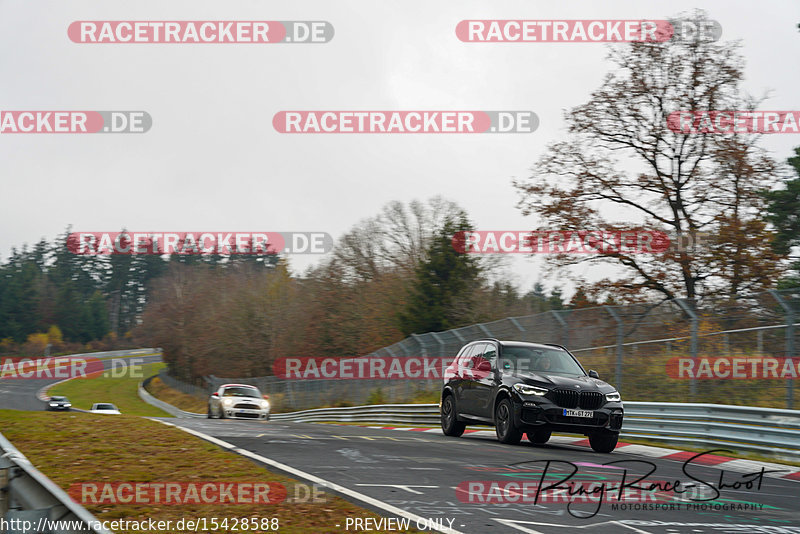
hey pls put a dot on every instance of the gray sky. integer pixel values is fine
(212, 160)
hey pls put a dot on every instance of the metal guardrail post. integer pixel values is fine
(789, 311)
(3, 494)
(28, 489)
(620, 340)
(695, 327)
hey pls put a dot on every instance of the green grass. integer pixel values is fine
(121, 391)
(74, 448)
(188, 403)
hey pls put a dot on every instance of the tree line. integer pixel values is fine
(394, 274)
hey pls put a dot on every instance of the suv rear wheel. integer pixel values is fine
(451, 426)
(504, 424)
(603, 440)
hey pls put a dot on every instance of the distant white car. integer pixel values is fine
(238, 401)
(105, 408)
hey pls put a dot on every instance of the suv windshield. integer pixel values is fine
(540, 360)
(240, 392)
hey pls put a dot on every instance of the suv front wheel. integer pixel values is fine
(540, 436)
(504, 423)
(603, 440)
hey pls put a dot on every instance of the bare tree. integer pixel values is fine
(623, 168)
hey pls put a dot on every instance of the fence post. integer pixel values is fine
(422, 350)
(620, 339)
(789, 312)
(564, 327)
(695, 326)
(760, 342)
(441, 343)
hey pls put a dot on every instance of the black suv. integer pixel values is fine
(530, 388)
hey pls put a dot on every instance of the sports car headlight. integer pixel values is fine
(53, 404)
(68, 405)
(613, 396)
(227, 402)
(264, 405)
(526, 389)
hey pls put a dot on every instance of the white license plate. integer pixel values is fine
(579, 413)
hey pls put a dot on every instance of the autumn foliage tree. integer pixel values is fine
(623, 168)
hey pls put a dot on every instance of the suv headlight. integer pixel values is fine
(264, 405)
(613, 396)
(227, 402)
(526, 389)
(68, 405)
(53, 404)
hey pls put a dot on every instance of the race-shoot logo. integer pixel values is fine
(200, 31)
(405, 122)
(74, 122)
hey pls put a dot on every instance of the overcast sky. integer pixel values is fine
(212, 160)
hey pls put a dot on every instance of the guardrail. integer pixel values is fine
(765, 431)
(410, 414)
(170, 409)
(768, 432)
(29, 496)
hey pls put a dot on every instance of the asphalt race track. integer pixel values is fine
(420, 471)
(20, 394)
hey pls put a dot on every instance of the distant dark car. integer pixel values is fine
(529, 388)
(59, 404)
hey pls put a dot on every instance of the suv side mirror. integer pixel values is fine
(593, 373)
(485, 366)
(266, 397)
(215, 394)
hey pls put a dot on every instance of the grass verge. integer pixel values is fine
(179, 399)
(74, 448)
(121, 391)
